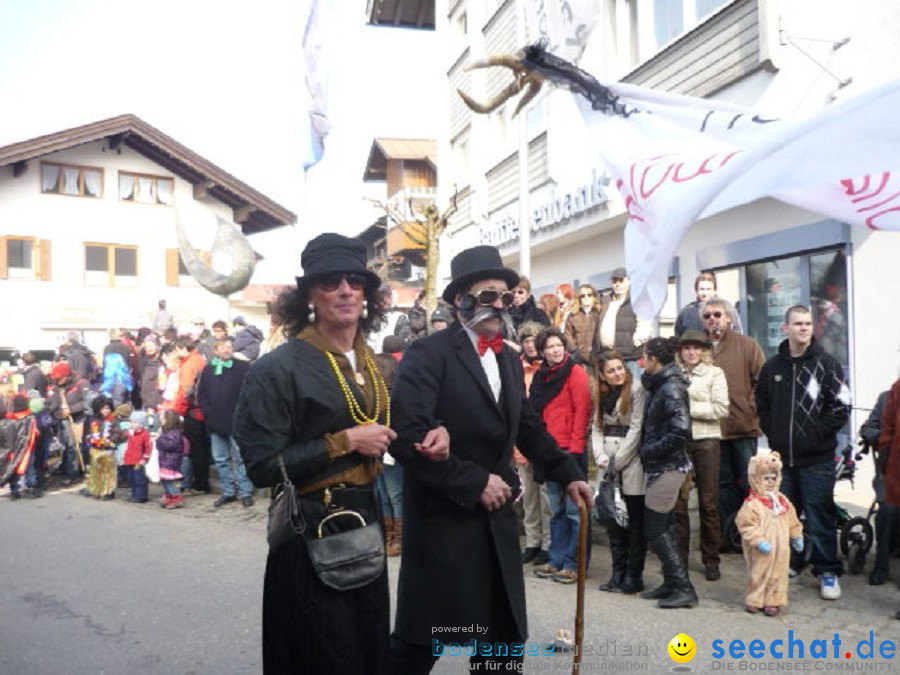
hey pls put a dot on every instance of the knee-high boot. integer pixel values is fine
(655, 524)
(634, 567)
(618, 547)
(675, 571)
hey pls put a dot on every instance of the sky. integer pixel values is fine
(226, 79)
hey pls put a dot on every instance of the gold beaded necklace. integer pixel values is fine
(381, 393)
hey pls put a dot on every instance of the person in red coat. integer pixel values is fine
(137, 454)
(561, 395)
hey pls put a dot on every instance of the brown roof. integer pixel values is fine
(252, 210)
(384, 149)
(408, 13)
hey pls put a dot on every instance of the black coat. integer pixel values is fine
(451, 545)
(218, 395)
(667, 420)
(802, 403)
(528, 311)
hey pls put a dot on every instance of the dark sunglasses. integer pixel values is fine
(331, 282)
(488, 298)
(710, 315)
(585, 295)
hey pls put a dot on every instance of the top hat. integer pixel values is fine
(475, 264)
(331, 253)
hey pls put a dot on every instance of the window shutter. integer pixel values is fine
(3, 273)
(44, 265)
(171, 267)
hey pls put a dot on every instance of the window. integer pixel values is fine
(110, 265)
(817, 280)
(661, 21)
(145, 189)
(77, 181)
(24, 258)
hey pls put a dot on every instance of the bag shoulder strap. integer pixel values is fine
(284, 473)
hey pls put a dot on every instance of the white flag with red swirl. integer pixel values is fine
(678, 159)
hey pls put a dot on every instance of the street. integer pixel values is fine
(113, 587)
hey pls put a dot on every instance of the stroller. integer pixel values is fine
(856, 534)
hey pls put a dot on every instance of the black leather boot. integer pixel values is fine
(675, 572)
(618, 548)
(655, 525)
(634, 568)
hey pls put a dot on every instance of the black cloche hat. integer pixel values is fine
(329, 253)
(475, 264)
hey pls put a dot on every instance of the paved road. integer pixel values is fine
(91, 587)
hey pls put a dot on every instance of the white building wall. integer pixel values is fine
(35, 314)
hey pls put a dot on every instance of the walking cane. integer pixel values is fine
(582, 573)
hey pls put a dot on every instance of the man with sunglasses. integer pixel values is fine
(741, 358)
(461, 578)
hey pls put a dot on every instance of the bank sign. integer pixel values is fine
(548, 207)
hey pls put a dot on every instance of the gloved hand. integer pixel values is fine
(764, 546)
(797, 544)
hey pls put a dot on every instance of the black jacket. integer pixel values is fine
(218, 395)
(802, 403)
(289, 402)
(667, 420)
(527, 311)
(455, 553)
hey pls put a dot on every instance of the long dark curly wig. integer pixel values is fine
(293, 306)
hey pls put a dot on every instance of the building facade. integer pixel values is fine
(782, 58)
(88, 235)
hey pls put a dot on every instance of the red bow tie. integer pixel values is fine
(495, 343)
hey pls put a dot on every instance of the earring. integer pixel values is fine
(312, 313)
(365, 312)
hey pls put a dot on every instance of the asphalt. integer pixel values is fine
(113, 587)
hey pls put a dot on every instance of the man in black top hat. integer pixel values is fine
(461, 576)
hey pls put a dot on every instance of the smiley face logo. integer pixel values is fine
(682, 648)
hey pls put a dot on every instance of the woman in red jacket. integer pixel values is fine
(561, 395)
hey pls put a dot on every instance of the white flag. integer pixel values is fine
(677, 159)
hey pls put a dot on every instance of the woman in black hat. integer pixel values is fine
(319, 403)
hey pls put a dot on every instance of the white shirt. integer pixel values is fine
(488, 363)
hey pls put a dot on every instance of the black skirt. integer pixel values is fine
(311, 628)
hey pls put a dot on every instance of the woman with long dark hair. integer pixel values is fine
(561, 395)
(617, 441)
(667, 429)
(317, 408)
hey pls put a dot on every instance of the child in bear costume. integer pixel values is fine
(769, 527)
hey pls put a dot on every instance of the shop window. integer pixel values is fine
(76, 181)
(146, 189)
(110, 265)
(817, 280)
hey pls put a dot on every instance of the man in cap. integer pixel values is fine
(440, 319)
(620, 328)
(466, 379)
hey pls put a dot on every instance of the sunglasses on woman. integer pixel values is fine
(710, 315)
(331, 282)
(488, 298)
